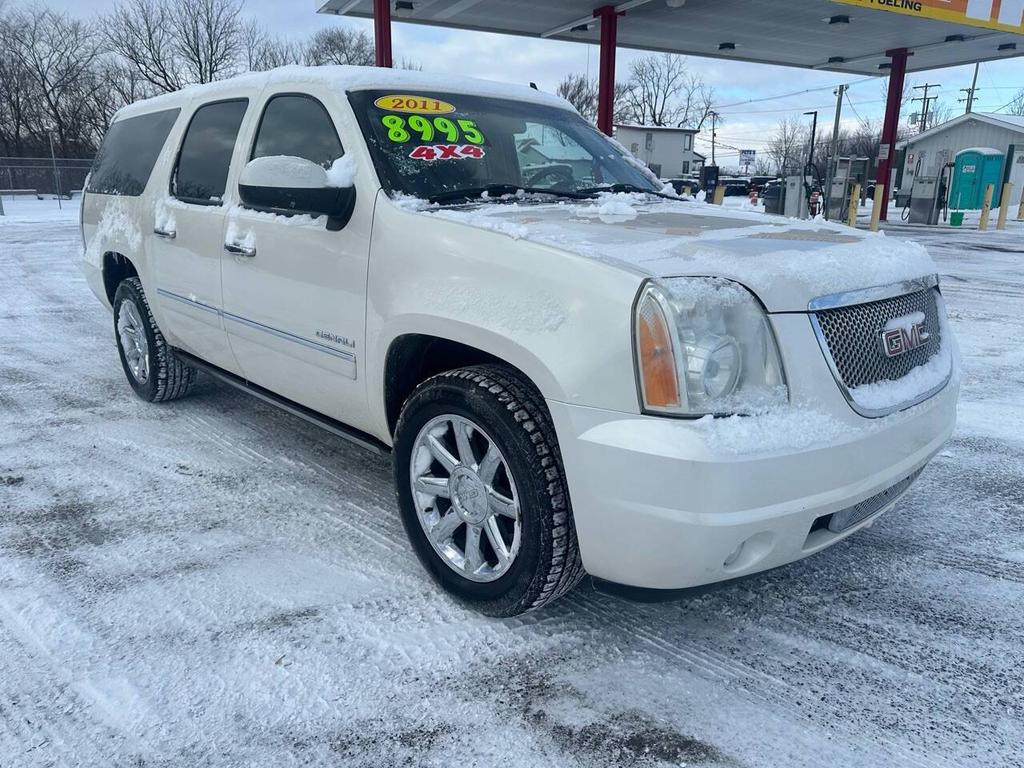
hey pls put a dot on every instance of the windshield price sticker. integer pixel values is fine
(446, 152)
(426, 129)
(421, 104)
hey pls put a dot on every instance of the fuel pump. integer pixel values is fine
(929, 196)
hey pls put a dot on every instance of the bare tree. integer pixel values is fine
(340, 45)
(582, 94)
(654, 82)
(58, 53)
(19, 111)
(264, 51)
(662, 91)
(174, 43)
(1016, 105)
(140, 32)
(209, 37)
(787, 147)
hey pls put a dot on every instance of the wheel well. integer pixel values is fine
(115, 269)
(414, 358)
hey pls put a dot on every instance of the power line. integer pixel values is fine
(794, 93)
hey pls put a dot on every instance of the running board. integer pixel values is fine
(362, 439)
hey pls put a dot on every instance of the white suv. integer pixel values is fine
(575, 370)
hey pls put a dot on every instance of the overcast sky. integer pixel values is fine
(545, 62)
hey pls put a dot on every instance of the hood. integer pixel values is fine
(786, 262)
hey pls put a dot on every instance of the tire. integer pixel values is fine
(502, 409)
(152, 369)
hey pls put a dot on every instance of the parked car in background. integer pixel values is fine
(572, 371)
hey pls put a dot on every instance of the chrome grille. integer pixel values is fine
(853, 336)
(849, 517)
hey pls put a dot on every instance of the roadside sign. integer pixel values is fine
(747, 156)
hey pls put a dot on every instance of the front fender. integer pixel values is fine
(562, 319)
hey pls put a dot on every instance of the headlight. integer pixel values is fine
(703, 345)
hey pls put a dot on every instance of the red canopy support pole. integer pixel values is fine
(382, 32)
(606, 72)
(887, 150)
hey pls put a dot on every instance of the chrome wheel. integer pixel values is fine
(465, 498)
(132, 335)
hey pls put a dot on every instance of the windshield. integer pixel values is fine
(432, 144)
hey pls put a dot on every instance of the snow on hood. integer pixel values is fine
(786, 262)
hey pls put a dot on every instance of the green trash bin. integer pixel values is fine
(956, 218)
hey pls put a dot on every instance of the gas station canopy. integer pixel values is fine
(858, 37)
(850, 36)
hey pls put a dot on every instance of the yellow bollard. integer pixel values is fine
(876, 210)
(1004, 205)
(719, 196)
(1020, 209)
(851, 214)
(986, 207)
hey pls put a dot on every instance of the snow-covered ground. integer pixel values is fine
(213, 582)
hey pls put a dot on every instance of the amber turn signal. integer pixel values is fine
(658, 377)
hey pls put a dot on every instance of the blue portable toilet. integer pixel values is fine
(973, 170)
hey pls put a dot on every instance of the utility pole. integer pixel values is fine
(714, 118)
(971, 91)
(56, 173)
(814, 132)
(829, 170)
(925, 102)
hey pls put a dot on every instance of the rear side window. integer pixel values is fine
(129, 152)
(297, 125)
(201, 174)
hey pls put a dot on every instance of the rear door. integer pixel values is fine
(187, 240)
(294, 296)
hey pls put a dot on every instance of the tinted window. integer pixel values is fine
(298, 126)
(202, 172)
(129, 152)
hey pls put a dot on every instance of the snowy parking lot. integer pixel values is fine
(214, 582)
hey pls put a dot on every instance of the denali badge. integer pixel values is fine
(902, 334)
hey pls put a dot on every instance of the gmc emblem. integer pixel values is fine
(899, 338)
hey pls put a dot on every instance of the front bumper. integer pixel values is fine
(666, 503)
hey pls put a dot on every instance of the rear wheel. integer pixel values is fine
(482, 490)
(150, 366)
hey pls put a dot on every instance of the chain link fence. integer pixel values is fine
(43, 176)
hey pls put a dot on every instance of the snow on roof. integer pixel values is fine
(634, 126)
(348, 78)
(1013, 122)
(980, 151)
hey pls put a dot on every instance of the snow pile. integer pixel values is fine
(786, 262)
(342, 172)
(791, 428)
(163, 215)
(237, 235)
(611, 208)
(484, 220)
(116, 230)
(349, 78)
(283, 171)
(883, 395)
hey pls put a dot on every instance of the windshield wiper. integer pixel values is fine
(495, 192)
(625, 188)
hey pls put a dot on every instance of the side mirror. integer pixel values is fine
(293, 185)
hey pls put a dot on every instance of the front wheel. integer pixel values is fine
(149, 363)
(482, 490)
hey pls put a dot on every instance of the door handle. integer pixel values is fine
(240, 250)
(168, 234)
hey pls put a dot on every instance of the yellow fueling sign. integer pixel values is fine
(1002, 15)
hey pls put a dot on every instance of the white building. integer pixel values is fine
(665, 150)
(927, 152)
